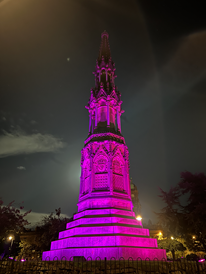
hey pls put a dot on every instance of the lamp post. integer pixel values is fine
(11, 239)
(173, 251)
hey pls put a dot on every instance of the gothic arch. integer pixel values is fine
(101, 151)
(118, 172)
(86, 175)
(100, 167)
(117, 151)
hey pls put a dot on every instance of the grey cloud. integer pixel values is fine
(18, 142)
(21, 168)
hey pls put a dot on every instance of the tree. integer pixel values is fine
(185, 212)
(11, 220)
(49, 229)
(172, 245)
(170, 217)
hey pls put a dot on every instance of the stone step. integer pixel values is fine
(103, 220)
(102, 211)
(104, 241)
(98, 230)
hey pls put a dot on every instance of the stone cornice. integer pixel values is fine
(105, 135)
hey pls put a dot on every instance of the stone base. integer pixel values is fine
(104, 233)
(105, 252)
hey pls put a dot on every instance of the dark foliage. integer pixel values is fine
(171, 245)
(49, 229)
(12, 220)
(186, 219)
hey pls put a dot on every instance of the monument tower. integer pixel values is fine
(105, 225)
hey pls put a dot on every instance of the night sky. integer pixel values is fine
(48, 51)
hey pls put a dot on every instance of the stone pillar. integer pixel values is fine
(120, 124)
(118, 121)
(91, 172)
(90, 122)
(126, 173)
(93, 123)
(110, 172)
(108, 118)
(96, 115)
(81, 178)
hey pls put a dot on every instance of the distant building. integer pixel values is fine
(135, 199)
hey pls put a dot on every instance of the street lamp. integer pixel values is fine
(160, 235)
(139, 218)
(11, 239)
(172, 238)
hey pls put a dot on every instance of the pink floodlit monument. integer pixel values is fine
(105, 225)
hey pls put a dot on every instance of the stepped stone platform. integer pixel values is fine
(105, 233)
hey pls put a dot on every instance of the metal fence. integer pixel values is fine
(82, 265)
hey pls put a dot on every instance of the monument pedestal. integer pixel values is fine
(105, 233)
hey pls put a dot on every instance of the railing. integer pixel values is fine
(81, 265)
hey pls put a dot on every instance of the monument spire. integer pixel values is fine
(104, 51)
(104, 105)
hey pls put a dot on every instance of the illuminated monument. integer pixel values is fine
(105, 225)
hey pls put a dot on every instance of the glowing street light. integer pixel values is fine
(193, 237)
(160, 235)
(172, 238)
(139, 218)
(11, 239)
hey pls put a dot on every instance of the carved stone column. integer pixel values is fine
(90, 122)
(96, 115)
(108, 118)
(118, 120)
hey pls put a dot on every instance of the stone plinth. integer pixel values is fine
(105, 233)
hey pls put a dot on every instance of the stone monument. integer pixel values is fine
(105, 225)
